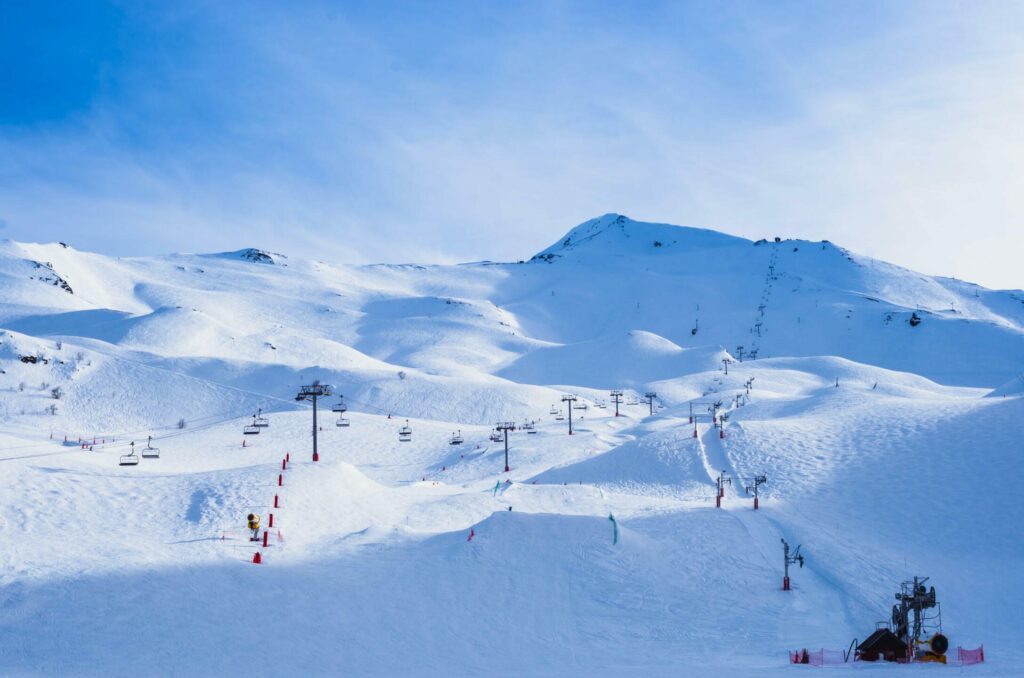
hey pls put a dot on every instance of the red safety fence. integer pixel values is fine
(975, 656)
(823, 657)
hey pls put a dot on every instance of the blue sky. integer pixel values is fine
(440, 132)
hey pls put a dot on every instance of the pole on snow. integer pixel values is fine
(311, 393)
(650, 396)
(570, 400)
(789, 560)
(722, 480)
(616, 398)
(505, 427)
(758, 481)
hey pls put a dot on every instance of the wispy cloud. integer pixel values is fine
(468, 131)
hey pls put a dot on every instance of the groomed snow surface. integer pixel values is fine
(891, 449)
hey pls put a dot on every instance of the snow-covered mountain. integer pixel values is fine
(858, 387)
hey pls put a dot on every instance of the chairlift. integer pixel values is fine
(559, 416)
(495, 436)
(553, 410)
(696, 326)
(405, 433)
(580, 405)
(150, 452)
(130, 459)
(601, 405)
(342, 422)
(259, 420)
(529, 426)
(456, 439)
(339, 406)
(251, 429)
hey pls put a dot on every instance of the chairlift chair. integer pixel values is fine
(559, 416)
(405, 433)
(343, 422)
(495, 436)
(259, 420)
(130, 459)
(456, 439)
(150, 452)
(339, 406)
(251, 429)
(530, 426)
(553, 410)
(581, 405)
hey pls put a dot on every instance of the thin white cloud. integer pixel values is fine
(889, 128)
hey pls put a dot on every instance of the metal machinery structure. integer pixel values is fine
(505, 427)
(649, 397)
(790, 559)
(311, 393)
(722, 481)
(570, 400)
(910, 621)
(616, 398)
(758, 481)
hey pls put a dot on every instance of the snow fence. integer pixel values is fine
(823, 657)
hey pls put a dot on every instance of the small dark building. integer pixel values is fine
(882, 644)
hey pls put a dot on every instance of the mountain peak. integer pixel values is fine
(617, 234)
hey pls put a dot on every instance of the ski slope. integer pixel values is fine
(891, 450)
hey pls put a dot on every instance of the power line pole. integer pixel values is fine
(505, 427)
(311, 393)
(569, 399)
(651, 395)
(617, 398)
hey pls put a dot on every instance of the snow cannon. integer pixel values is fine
(934, 649)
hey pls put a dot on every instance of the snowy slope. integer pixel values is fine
(884, 458)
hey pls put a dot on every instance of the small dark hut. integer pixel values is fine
(882, 644)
